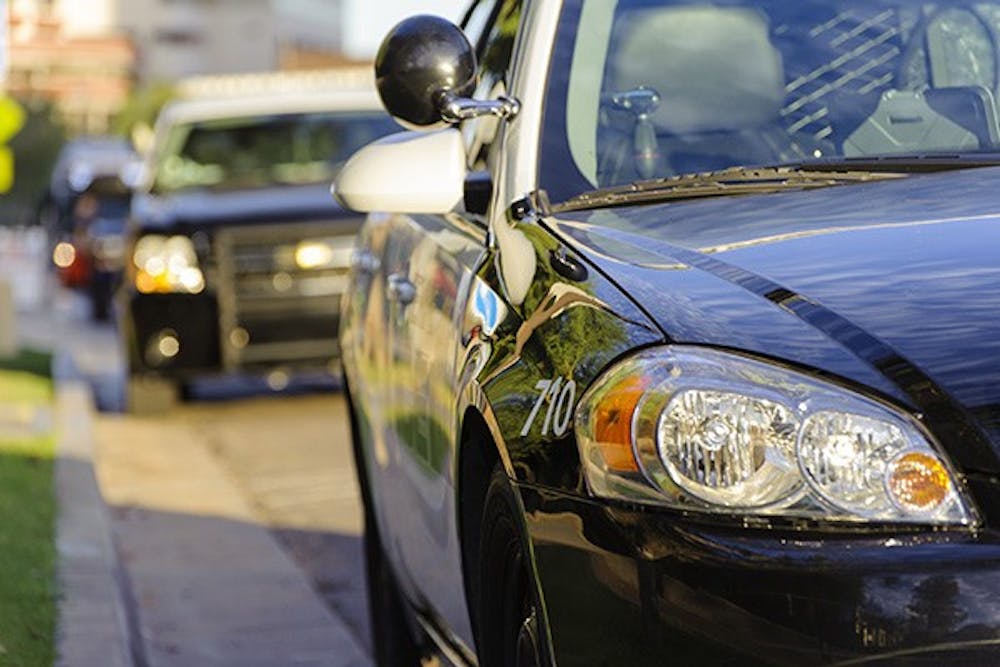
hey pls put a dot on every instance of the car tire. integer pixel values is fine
(100, 302)
(100, 297)
(392, 639)
(509, 612)
(146, 395)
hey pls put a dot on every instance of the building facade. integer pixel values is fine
(84, 56)
(85, 74)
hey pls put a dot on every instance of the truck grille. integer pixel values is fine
(279, 289)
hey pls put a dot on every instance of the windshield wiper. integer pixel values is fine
(732, 181)
(911, 164)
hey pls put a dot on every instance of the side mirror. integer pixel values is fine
(409, 172)
(425, 72)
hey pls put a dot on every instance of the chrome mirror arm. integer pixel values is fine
(455, 109)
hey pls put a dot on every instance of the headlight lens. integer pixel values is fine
(64, 255)
(729, 449)
(324, 253)
(705, 430)
(166, 264)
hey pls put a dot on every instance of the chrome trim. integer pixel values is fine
(253, 283)
(455, 109)
(448, 645)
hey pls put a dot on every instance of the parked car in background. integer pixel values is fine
(91, 256)
(80, 163)
(236, 256)
(677, 337)
(84, 212)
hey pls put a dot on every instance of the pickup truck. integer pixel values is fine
(236, 255)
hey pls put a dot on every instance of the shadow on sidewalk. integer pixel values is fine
(335, 564)
(211, 590)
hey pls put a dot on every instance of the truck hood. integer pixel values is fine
(203, 207)
(893, 285)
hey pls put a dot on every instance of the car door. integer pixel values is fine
(429, 273)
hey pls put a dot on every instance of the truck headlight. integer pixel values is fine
(166, 264)
(703, 430)
(325, 253)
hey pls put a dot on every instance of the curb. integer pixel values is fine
(94, 620)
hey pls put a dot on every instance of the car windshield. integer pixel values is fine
(250, 152)
(642, 89)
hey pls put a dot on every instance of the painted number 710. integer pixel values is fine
(560, 397)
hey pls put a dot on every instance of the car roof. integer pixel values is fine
(201, 110)
(235, 96)
(84, 159)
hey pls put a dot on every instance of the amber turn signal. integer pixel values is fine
(918, 482)
(612, 423)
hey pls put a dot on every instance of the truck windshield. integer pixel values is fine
(643, 89)
(261, 151)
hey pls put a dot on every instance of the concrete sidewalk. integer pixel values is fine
(177, 570)
(162, 560)
(212, 585)
(93, 614)
(93, 624)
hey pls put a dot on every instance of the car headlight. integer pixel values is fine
(64, 255)
(166, 264)
(326, 253)
(703, 430)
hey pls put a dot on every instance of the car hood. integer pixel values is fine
(204, 207)
(894, 285)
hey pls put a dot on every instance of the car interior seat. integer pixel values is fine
(920, 121)
(945, 92)
(720, 83)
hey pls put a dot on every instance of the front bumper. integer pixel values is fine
(262, 308)
(191, 319)
(206, 344)
(626, 586)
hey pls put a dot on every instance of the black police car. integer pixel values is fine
(679, 342)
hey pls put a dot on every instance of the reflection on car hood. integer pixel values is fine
(895, 285)
(259, 205)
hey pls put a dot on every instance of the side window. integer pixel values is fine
(494, 54)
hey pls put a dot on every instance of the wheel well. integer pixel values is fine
(477, 458)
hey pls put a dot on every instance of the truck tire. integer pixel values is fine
(145, 395)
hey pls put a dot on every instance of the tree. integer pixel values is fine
(36, 148)
(141, 109)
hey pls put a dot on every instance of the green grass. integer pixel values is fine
(22, 388)
(27, 522)
(28, 361)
